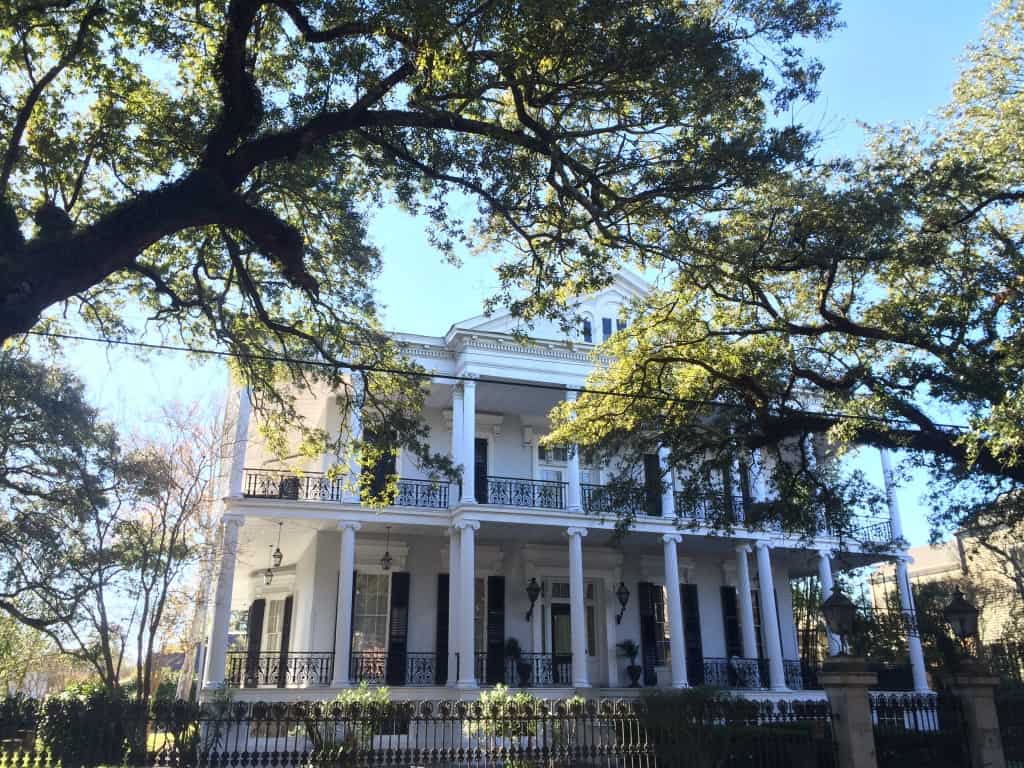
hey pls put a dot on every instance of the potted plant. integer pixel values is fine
(630, 650)
(524, 669)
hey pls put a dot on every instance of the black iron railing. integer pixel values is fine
(412, 668)
(523, 492)
(296, 669)
(422, 493)
(539, 670)
(314, 486)
(714, 507)
(602, 499)
(736, 673)
(309, 486)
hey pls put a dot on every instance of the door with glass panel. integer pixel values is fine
(370, 627)
(561, 644)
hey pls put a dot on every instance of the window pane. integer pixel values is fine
(606, 328)
(591, 632)
(588, 332)
(370, 613)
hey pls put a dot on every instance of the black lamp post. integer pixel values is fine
(840, 613)
(532, 592)
(622, 593)
(962, 617)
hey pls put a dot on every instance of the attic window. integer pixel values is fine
(620, 324)
(588, 332)
(606, 328)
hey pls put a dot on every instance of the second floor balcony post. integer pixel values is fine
(572, 470)
(355, 433)
(668, 491)
(468, 442)
(237, 477)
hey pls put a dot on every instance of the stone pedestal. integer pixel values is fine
(846, 681)
(975, 688)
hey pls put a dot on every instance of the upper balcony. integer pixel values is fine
(527, 493)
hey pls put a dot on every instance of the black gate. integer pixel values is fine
(925, 730)
(1010, 704)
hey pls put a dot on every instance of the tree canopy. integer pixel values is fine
(213, 162)
(875, 301)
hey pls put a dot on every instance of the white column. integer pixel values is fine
(237, 477)
(769, 618)
(454, 553)
(758, 475)
(467, 602)
(676, 639)
(746, 602)
(457, 436)
(668, 490)
(343, 619)
(572, 470)
(355, 432)
(577, 611)
(611, 610)
(468, 442)
(825, 577)
(914, 649)
(217, 648)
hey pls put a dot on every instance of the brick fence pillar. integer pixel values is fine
(846, 681)
(975, 688)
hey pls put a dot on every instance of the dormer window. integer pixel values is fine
(606, 328)
(588, 331)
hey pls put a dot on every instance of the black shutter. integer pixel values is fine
(691, 633)
(652, 485)
(254, 632)
(398, 631)
(648, 631)
(286, 631)
(353, 662)
(480, 469)
(495, 629)
(441, 633)
(731, 622)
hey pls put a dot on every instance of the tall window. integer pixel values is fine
(480, 614)
(370, 613)
(272, 626)
(606, 328)
(755, 598)
(588, 331)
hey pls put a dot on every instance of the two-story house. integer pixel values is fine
(425, 594)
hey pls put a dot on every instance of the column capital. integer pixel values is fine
(467, 524)
(574, 531)
(905, 558)
(457, 390)
(743, 548)
(674, 538)
(571, 394)
(353, 524)
(230, 519)
(826, 554)
(763, 544)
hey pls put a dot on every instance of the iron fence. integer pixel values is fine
(315, 486)
(412, 668)
(919, 729)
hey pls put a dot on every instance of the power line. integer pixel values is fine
(371, 368)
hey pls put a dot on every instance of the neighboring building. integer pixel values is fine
(465, 563)
(991, 575)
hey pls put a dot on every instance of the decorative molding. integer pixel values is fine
(465, 523)
(677, 538)
(355, 525)
(574, 531)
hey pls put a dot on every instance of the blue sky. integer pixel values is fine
(894, 62)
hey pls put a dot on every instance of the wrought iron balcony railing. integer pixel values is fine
(539, 670)
(524, 492)
(295, 669)
(393, 668)
(314, 486)
(736, 673)
(601, 499)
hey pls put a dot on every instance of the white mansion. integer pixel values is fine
(314, 592)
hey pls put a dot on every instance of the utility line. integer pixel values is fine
(370, 368)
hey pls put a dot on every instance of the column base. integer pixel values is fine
(464, 502)
(574, 510)
(342, 684)
(779, 689)
(463, 686)
(581, 685)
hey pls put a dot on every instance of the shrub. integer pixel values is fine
(365, 712)
(91, 724)
(505, 714)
